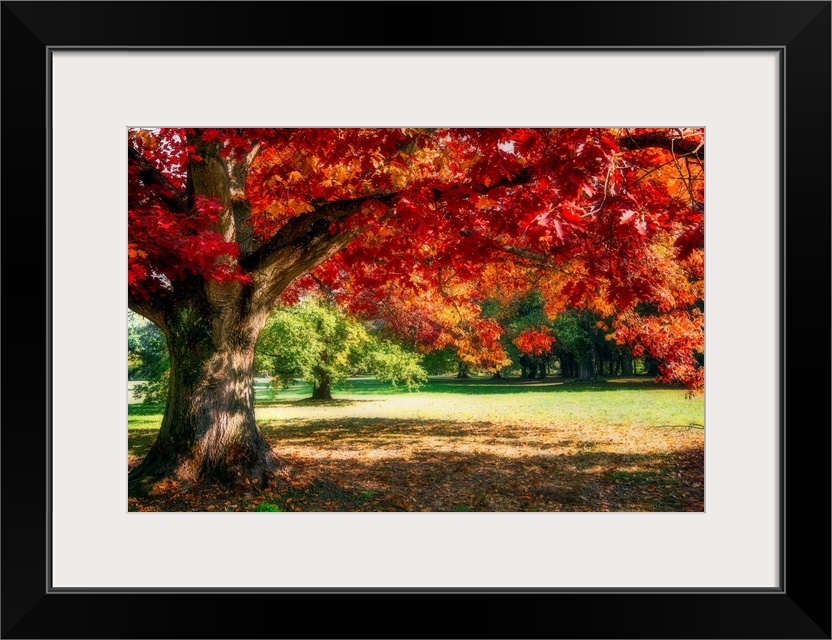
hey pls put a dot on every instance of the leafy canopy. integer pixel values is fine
(614, 218)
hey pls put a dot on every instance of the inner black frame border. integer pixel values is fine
(800, 608)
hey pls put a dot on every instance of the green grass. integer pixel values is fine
(631, 401)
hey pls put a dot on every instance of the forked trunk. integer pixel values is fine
(208, 431)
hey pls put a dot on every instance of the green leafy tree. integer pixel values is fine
(314, 340)
(323, 345)
(575, 333)
(390, 362)
(440, 361)
(147, 359)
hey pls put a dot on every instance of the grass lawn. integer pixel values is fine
(467, 445)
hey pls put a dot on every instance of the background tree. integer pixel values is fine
(325, 346)
(440, 361)
(315, 340)
(391, 363)
(576, 338)
(222, 221)
(147, 359)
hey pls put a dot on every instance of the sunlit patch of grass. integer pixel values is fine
(145, 416)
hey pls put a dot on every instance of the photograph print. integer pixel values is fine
(416, 319)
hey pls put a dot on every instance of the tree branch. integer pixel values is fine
(303, 230)
(152, 309)
(295, 259)
(326, 290)
(305, 242)
(539, 258)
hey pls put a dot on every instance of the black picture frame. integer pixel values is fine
(800, 31)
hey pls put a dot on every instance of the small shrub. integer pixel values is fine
(268, 506)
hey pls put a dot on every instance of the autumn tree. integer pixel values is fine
(222, 221)
(441, 315)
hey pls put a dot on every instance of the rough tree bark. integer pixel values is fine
(209, 430)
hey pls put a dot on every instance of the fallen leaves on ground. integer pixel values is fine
(372, 464)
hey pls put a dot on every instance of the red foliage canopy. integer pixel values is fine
(613, 217)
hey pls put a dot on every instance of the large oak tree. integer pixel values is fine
(223, 221)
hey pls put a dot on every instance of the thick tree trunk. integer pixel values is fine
(322, 389)
(208, 432)
(462, 370)
(585, 370)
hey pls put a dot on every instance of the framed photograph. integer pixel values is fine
(745, 85)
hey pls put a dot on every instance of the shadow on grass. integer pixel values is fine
(446, 481)
(309, 402)
(145, 409)
(366, 431)
(139, 441)
(391, 467)
(583, 481)
(379, 431)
